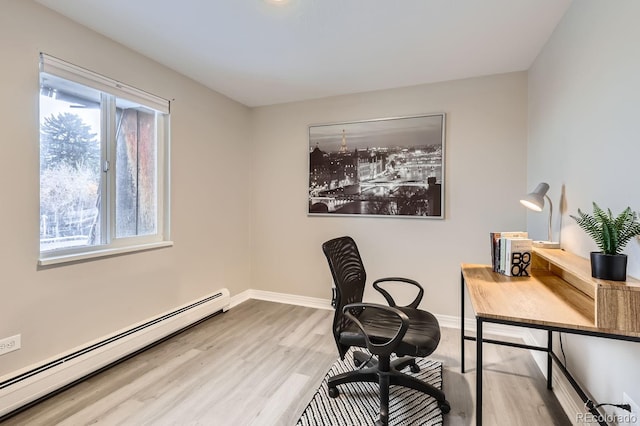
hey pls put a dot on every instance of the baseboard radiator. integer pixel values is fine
(34, 384)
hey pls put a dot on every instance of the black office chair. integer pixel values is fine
(383, 330)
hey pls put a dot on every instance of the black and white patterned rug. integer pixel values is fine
(358, 403)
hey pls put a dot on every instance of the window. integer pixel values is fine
(103, 165)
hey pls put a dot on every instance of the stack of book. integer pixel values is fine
(511, 253)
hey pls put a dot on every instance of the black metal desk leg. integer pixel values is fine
(462, 323)
(479, 372)
(549, 360)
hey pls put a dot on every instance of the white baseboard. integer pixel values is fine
(289, 299)
(567, 397)
(448, 321)
(11, 397)
(564, 392)
(29, 384)
(239, 298)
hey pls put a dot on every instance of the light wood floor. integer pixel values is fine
(260, 363)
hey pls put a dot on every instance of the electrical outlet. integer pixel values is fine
(10, 344)
(624, 417)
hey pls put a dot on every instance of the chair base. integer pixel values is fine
(386, 372)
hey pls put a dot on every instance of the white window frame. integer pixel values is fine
(61, 69)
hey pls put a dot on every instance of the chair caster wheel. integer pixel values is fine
(415, 368)
(445, 407)
(334, 392)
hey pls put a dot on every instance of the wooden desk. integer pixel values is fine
(559, 296)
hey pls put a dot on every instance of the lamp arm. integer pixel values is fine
(550, 214)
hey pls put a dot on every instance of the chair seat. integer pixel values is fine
(421, 339)
(375, 327)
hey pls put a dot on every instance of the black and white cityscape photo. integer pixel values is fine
(386, 167)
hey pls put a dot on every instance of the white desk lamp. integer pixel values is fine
(535, 201)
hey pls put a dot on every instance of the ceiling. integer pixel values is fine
(264, 52)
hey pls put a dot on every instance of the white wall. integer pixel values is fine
(485, 176)
(59, 308)
(584, 110)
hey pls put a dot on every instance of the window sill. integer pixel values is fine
(54, 260)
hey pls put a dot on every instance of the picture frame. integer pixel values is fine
(387, 167)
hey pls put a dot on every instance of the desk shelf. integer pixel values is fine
(616, 303)
(559, 296)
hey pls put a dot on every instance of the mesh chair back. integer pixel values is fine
(349, 277)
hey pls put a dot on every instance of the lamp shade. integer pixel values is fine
(535, 199)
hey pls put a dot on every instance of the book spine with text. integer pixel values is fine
(499, 241)
(518, 257)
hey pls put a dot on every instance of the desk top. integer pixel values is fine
(542, 299)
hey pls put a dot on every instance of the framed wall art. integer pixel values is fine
(390, 167)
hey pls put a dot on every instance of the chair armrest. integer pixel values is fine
(388, 347)
(414, 304)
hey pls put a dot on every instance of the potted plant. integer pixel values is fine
(611, 235)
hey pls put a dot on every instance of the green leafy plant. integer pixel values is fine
(609, 233)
